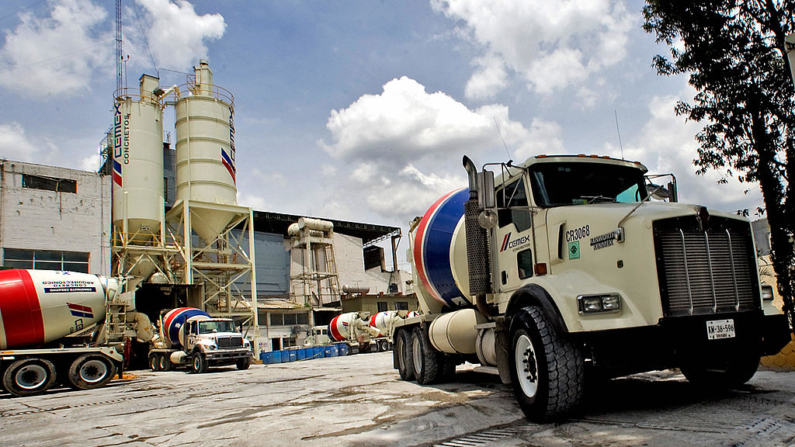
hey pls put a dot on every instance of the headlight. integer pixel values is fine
(767, 292)
(212, 346)
(590, 304)
(246, 344)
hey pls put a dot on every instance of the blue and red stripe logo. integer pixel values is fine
(229, 164)
(117, 173)
(79, 310)
(505, 242)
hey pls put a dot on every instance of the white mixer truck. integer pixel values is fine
(42, 315)
(189, 336)
(561, 267)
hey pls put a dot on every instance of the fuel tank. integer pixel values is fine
(42, 306)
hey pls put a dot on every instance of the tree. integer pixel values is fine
(736, 57)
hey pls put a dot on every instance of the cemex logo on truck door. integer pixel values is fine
(508, 243)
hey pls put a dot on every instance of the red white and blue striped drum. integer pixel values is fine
(41, 306)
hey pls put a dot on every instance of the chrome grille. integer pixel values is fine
(229, 342)
(705, 271)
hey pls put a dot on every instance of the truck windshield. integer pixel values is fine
(557, 184)
(208, 327)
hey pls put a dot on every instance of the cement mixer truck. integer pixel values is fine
(562, 267)
(191, 337)
(44, 317)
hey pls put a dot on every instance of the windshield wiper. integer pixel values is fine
(595, 198)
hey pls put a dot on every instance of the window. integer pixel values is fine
(303, 318)
(557, 184)
(288, 342)
(277, 320)
(402, 305)
(49, 183)
(513, 195)
(46, 260)
(383, 306)
(524, 261)
(290, 319)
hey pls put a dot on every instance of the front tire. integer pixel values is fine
(547, 369)
(90, 371)
(244, 363)
(721, 373)
(404, 358)
(26, 377)
(199, 364)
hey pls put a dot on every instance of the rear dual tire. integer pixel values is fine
(26, 377)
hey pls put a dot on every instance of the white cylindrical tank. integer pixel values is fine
(138, 162)
(454, 332)
(206, 150)
(42, 306)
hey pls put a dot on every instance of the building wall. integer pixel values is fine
(370, 303)
(39, 219)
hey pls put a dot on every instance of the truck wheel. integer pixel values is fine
(427, 361)
(722, 373)
(243, 364)
(402, 354)
(165, 363)
(383, 346)
(547, 369)
(90, 371)
(29, 376)
(154, 362)
(199, 364)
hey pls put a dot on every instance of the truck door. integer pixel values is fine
(513, 237)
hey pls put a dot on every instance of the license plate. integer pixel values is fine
(720, 329)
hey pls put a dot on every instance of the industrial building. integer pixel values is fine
(168, 221)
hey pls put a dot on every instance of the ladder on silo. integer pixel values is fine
(331, 269)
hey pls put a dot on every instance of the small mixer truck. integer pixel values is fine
(191, 337)
(42, 315)
(561, 268)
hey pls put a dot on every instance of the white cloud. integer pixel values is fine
(176, 34)
(15, 144)
(403, 147)
(667, 145)
(59, 54)
(551, 45)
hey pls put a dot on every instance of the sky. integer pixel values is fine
(361, 110)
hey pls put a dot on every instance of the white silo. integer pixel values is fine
(138, 161)
(206, 150)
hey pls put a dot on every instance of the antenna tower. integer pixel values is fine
(119, 64)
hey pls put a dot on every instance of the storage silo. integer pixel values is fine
(138, 162)
(206, 150)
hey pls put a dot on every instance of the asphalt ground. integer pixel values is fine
(360, 401)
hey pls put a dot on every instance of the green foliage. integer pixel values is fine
(734, 53)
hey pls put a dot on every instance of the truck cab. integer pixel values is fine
(563, 266)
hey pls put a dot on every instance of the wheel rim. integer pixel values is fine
(197, 363)
(526, 365)
(163, 362)
(30, 377)
(401, 354)
(417, 354)
(153, 363)
(93, 371)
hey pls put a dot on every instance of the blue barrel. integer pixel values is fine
(293, 353)
(276, 357)
(327, 351)
(335, 350)
(301, 354)
(317, 352)
(265, 357)
(343, 348)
